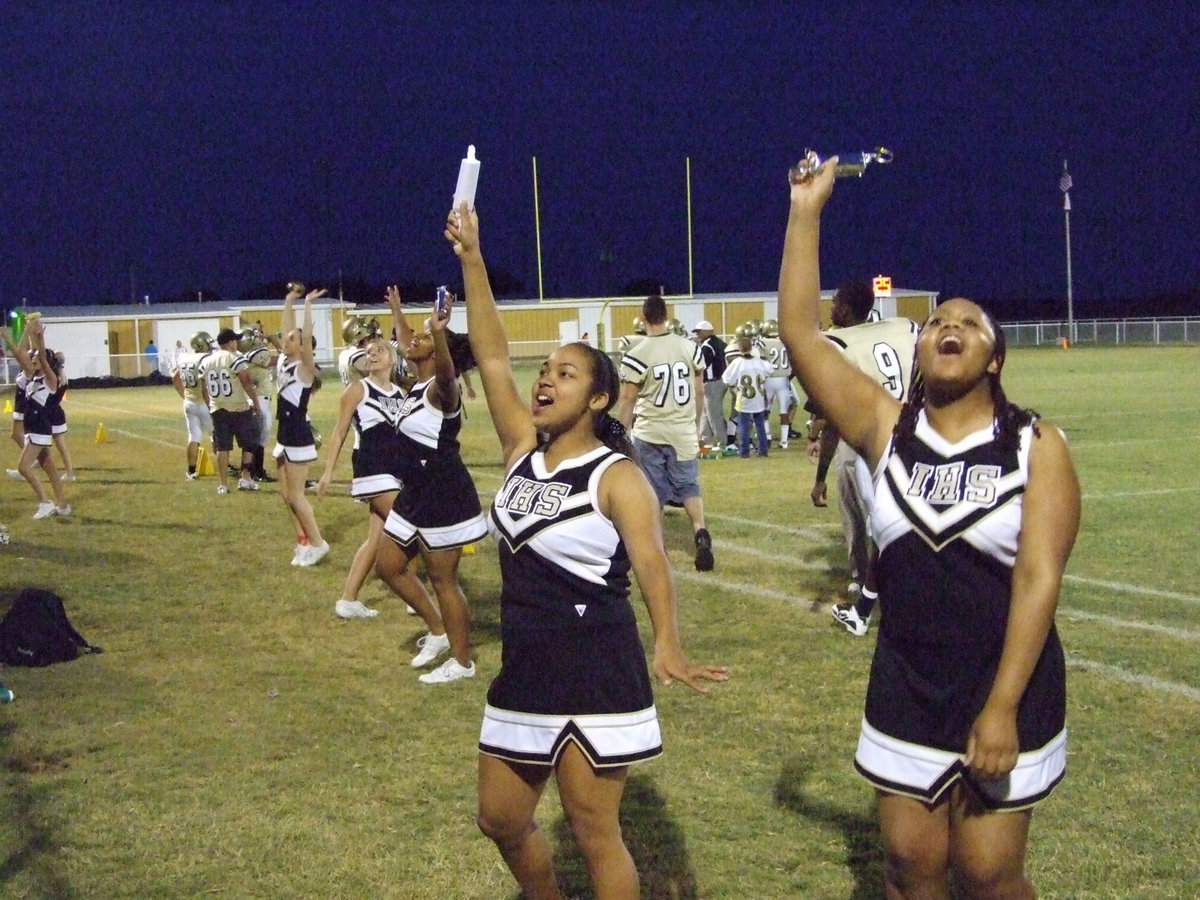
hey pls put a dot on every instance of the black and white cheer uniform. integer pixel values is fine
(294, 437)
(376, 459)
(438, 505)
(39, 401)
(572, 664)
(947, 519)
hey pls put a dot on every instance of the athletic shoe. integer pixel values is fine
(247, 484)
(15, 473)
(730, 450)
(310, 484)
(450, 670)
(64, 510)
(313, 554)
(783, 441)
(263, 477)
(221, 489)
(298, 554)
(191, 476)
(848, 617)
(70, 476)
(44, 510)
(431, 646)
(353, 609)
(704, 555)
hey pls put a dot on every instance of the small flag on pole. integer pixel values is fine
(1064, 183)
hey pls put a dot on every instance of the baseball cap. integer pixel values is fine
(228, 334)
(703, 325)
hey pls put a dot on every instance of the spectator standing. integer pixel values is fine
(712, 350)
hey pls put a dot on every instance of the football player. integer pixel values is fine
(884, 350)
(233, 401)
(189, 385)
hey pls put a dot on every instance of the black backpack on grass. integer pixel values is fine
(37, 632)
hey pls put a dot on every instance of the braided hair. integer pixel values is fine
(1009, 418)
(606, 427)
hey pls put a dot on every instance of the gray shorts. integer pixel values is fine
(674, 480)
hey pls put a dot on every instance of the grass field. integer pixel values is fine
(236, 739)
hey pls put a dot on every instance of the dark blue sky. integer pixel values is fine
(219, 145)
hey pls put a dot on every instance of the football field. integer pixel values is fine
(237, 739)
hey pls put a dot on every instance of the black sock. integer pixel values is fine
(866, 602)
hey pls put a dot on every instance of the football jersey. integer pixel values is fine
(188, 367)
(352, 364)
(663, 366)
(220, 372)
(776, 354)
(264, 380)
(629, 341)
(747, 376)
(883, 349)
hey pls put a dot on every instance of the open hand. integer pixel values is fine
(674, 666)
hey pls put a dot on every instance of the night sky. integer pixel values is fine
(161, 148)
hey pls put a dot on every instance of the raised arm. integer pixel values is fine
(859, 408)
(37, 337)
(489, 344)
(308, 365)
(445, 379)
(18, 350)
(401, 331)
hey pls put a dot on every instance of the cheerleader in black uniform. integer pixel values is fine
(976, 511)
(574, 515)
(437, 512)
(371, 406)
(295, 448)
(42, 370)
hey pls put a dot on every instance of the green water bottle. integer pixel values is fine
(6, 695)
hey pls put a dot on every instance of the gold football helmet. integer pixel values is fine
(357, 329)
(770, 328)
(201, 341)
(639, 325)
(676, 327)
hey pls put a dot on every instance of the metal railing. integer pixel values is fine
(1104, 332)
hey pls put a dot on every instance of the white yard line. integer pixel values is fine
(1152, 492)
(1116, 673)
(1182, 634)
(1137, 589)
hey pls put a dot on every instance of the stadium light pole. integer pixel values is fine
(537, 229)
(691, 285)
(1064, 184)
